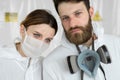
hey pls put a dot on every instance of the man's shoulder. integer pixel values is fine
(59, 54)
(110, 36)
(111, 39)
(113, 44)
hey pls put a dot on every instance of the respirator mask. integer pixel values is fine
(88, 61)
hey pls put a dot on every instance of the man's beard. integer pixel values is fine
(80, 38)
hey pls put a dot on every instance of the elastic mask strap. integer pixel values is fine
(81, 71)
(25, 31)
(93, 48)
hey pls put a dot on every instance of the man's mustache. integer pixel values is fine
(77, 27)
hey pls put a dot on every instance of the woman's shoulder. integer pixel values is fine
(7, 51)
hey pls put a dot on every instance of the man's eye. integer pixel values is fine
(78, 13)
(65, 18)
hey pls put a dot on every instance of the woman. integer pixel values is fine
(23, 61)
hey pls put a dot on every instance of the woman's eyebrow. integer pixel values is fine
(36, 31)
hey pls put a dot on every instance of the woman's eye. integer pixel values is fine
(48, 40)
(36, 35)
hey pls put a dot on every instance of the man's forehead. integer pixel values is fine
(70, 8)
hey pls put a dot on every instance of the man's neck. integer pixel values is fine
(90, 41)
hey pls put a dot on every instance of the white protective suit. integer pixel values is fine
(55, 66)
(15, 67)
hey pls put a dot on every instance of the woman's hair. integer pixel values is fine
(40, 16)
(58, 2)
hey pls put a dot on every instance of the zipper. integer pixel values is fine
(28, 65)
(29, 61)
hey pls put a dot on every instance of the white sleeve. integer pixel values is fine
(113, 70)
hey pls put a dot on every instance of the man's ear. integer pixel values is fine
(91, 12)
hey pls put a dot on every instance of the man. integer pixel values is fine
(76, 20)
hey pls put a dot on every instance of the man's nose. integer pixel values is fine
(73, 22)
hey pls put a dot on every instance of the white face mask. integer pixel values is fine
(32, 47)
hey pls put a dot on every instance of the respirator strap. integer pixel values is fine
(102, 71)
(79, 51)
(82, 72)
(70, 65)
(101, 68)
